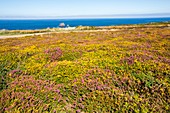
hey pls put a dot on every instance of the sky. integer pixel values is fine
(60, 8)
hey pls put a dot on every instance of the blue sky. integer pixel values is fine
(55, 8)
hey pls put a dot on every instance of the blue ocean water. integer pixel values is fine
(40, 24)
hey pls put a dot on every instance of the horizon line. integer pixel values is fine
(149, 15)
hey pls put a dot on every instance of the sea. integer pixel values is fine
(54, 23)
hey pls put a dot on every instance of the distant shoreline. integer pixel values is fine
(24, 33)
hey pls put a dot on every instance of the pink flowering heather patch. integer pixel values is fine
(54, 54)
(15, 73)
(128, 60)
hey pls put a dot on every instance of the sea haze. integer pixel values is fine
(45, 23)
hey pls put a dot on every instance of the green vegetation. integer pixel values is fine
(159, 23)
(109, 71)
(17, 32)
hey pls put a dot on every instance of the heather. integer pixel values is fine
(107, 71)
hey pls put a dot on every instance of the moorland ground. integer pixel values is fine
(108, 71)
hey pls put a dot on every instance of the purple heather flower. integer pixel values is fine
(78, 111)
(54, 98)
(80, 99)
(98, 87)
(6, 109)
(59, 85)
(58, 91)
(59, 100)
(47, 51)
(82, 81)
(73, 106)
(23, 98)
(14, 71)
(81, 106)
(75, 80)
(107, 70)
(87, 75)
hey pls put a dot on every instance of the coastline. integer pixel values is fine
(4, 34)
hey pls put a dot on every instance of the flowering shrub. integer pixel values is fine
(113, 71)
(54, 54)
(129, 60)
(15, 73)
